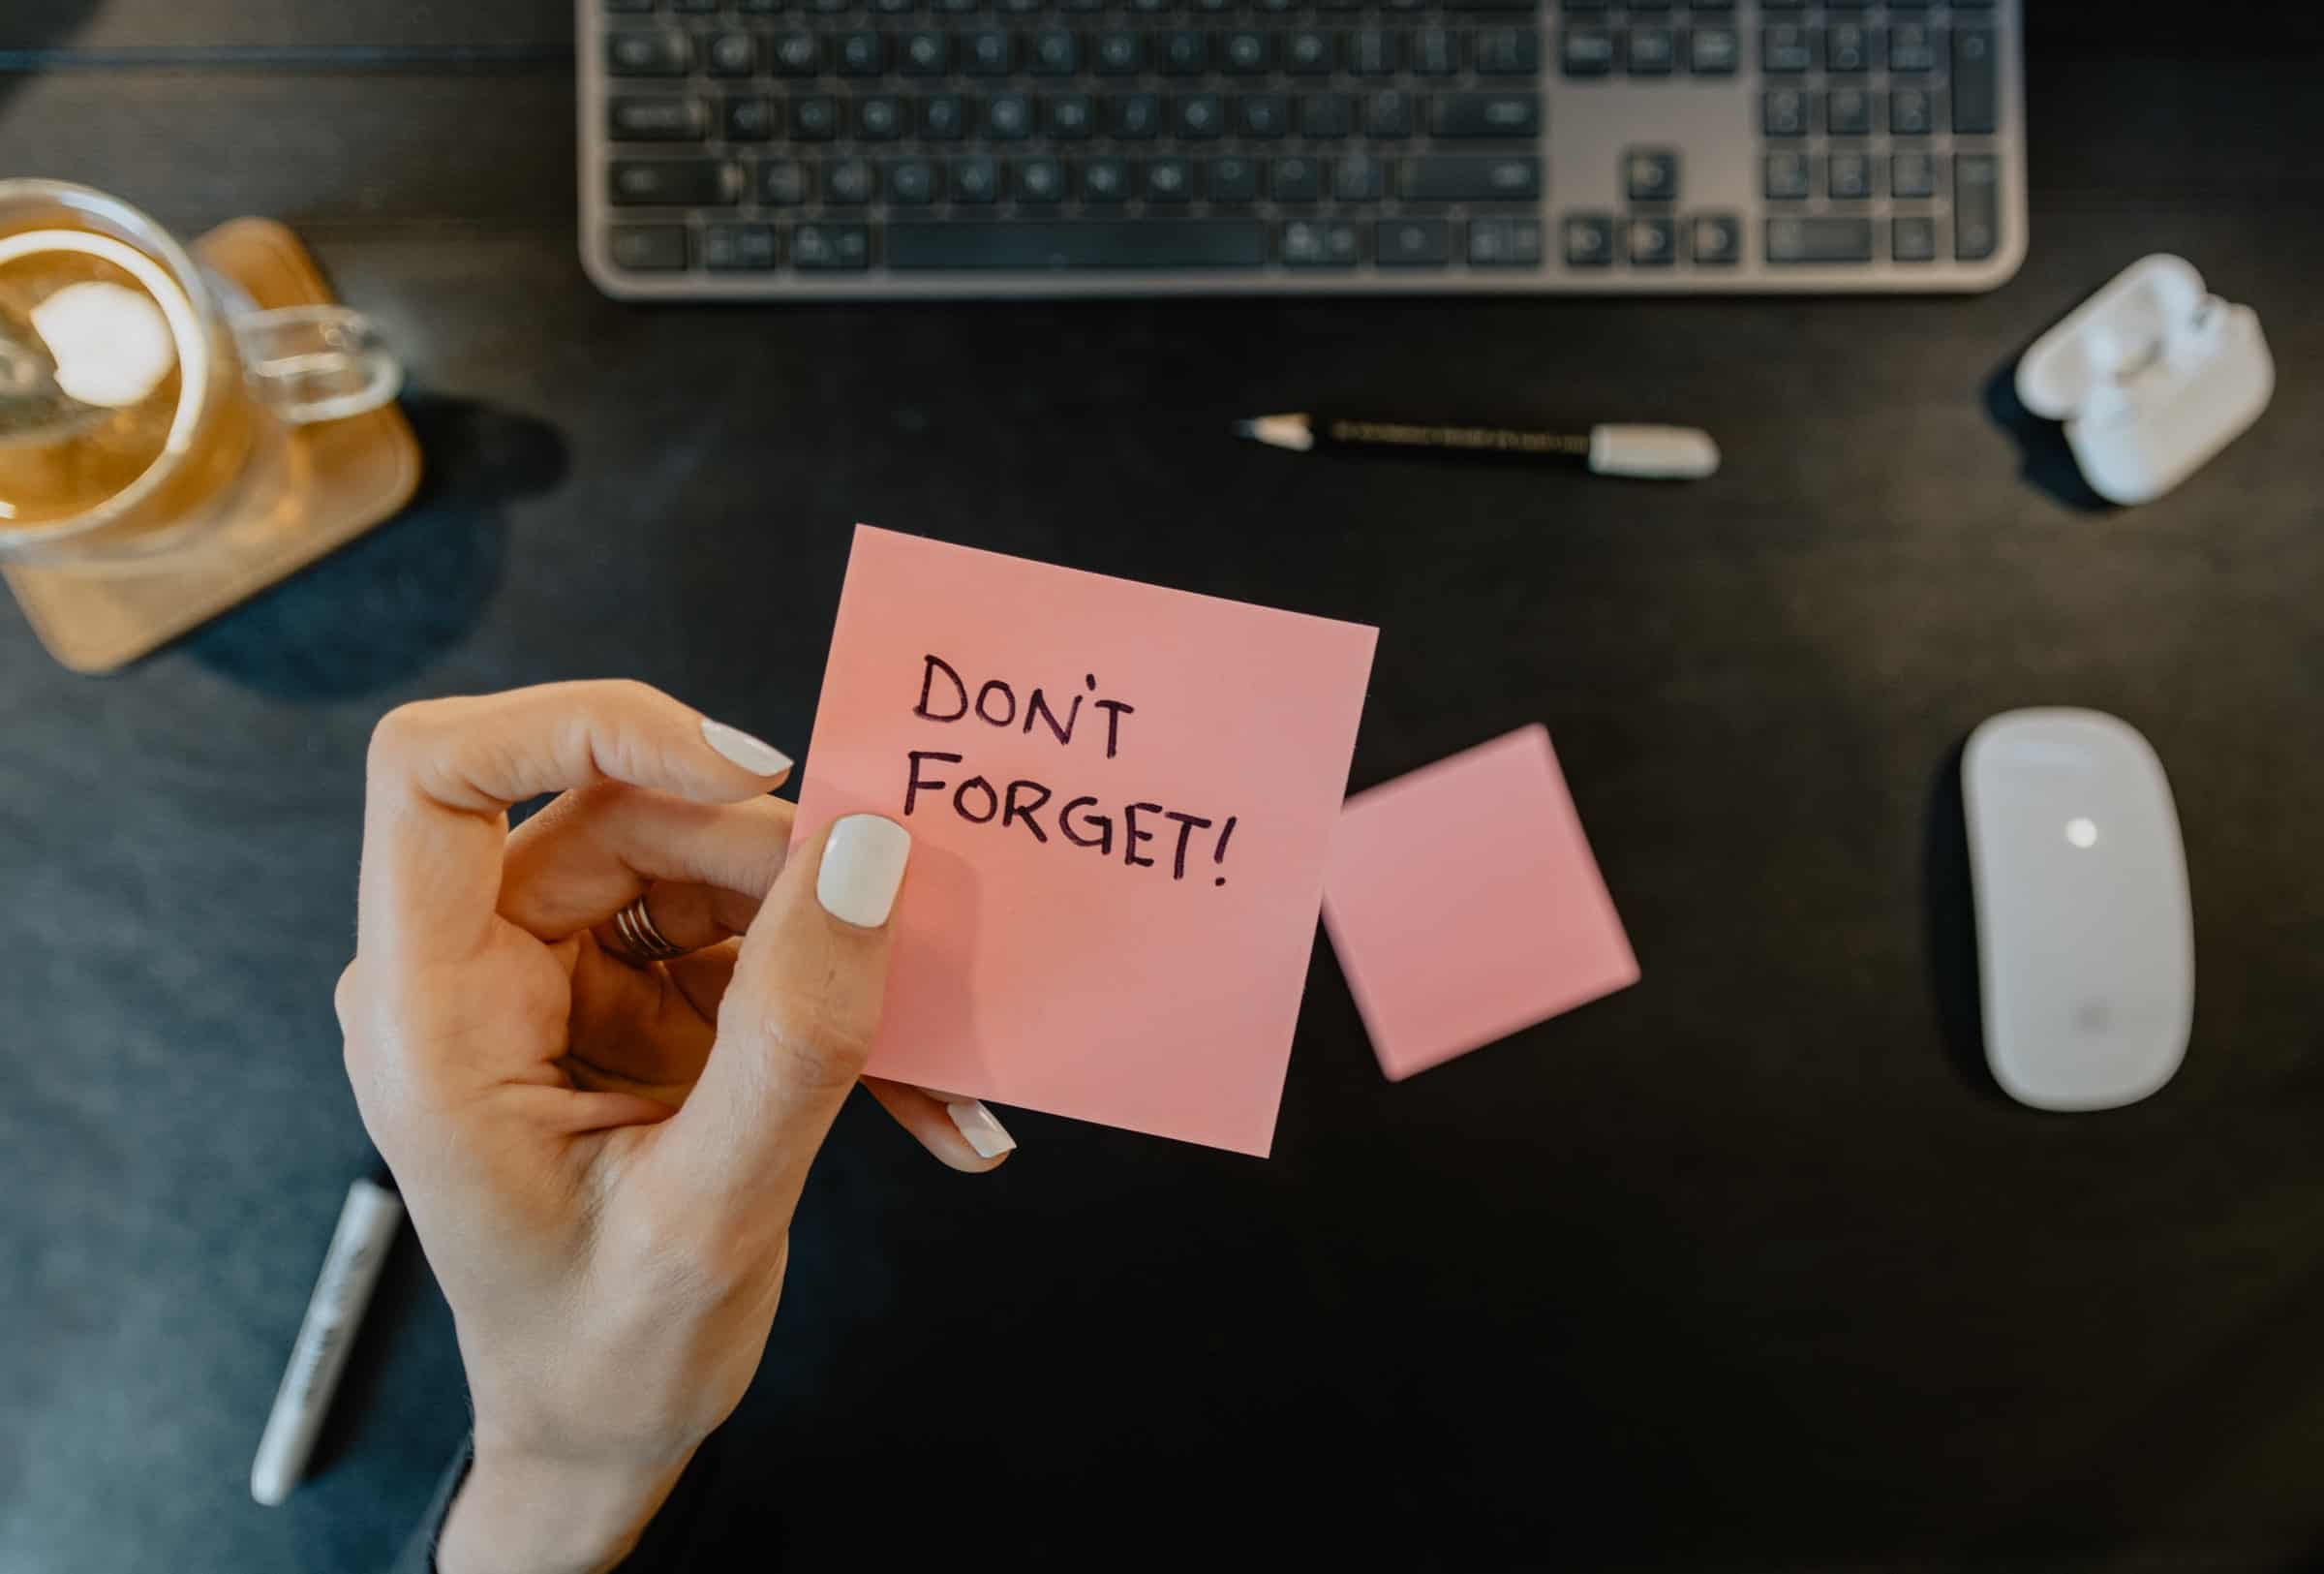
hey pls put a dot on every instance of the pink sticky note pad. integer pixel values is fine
(1465, 904)
(1036, 964)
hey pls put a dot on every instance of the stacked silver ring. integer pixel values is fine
(635, 927)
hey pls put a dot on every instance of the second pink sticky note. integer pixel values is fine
(1464, 904)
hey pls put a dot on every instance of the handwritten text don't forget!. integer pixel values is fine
(1083, 822)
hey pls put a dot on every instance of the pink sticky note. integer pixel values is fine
(1112, 888)
(1465, 904)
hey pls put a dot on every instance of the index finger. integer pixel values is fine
(442, 773)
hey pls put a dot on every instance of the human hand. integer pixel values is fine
(602, 1158)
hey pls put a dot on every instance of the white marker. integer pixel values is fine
(1677, 453)
(367, 1228)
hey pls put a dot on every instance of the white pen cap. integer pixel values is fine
(1654, 452)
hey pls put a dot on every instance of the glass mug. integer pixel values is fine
(144, 400)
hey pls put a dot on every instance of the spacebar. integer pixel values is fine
(1155, 244)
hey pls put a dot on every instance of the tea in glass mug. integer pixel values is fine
(143, 400)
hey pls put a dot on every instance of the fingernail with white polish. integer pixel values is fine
(987, 1135)
(862, 865)
(759, 757)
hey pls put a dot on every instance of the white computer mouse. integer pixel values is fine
(2085, 945)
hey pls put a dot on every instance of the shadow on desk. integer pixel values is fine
(2044, 461)
(1949, 927)
(382, 608)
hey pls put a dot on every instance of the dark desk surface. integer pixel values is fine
(1748, 1266)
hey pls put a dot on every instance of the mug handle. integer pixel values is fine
(315, 364)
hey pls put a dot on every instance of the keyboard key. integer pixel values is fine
(1307, 53)
(1848, 112)
(1262, 115)
(1372, 53)
(1911, 175)
(1200, 117)
(879, 118)
(1008, 117)
(649, 54)
(1786, 49)
(1784, 177)
(1848, 48)
(1911, 49)
(814, 118)
(1120, 54)
(1435, 51)
(1134, 117)
(648, 248)
(1242, 53)
(1784, 112)
(1912, 239)
(670, 182)
(1358, 179)
(1176, 243)
(1231, 180)
(1714, 52)
(913, 182)
(1105, 181)
(1650, 174)
(1413, 242)
(975, 179)
(1824, 239)
(784, 183)
(620, 7)
(1038, 180)
(944, 117)
(733, 54)
(831, 248)
(1169, 180)
(1516, 117)
(925, 54)
(1588, 240)
(990, 54)
(1847, 177)
(748, 119)
(1910, 113)
(1715, 239)
(1653, 52)
(1295, 180)
(862, 54)
(849, 182)
(1653, 241)
(738, 248)
(1071, 117)
(1504, 243)
(1506, 51)
(1585, 52)
(655, 120)
(796, 55)
(1326, 116)
(1976, 207)
(1314, 243)
(1465, 178)
(1055, 54)
(1183, 52)
(893, 8)
(1976, 85)
(1388, 115)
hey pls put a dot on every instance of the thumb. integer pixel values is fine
(798, 1021)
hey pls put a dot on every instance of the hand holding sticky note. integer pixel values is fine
(1121, 799)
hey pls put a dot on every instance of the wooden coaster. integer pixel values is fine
(340, 479)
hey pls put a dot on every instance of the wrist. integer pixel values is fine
(524, 1512)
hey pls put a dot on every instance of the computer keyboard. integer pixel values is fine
(797, 149)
